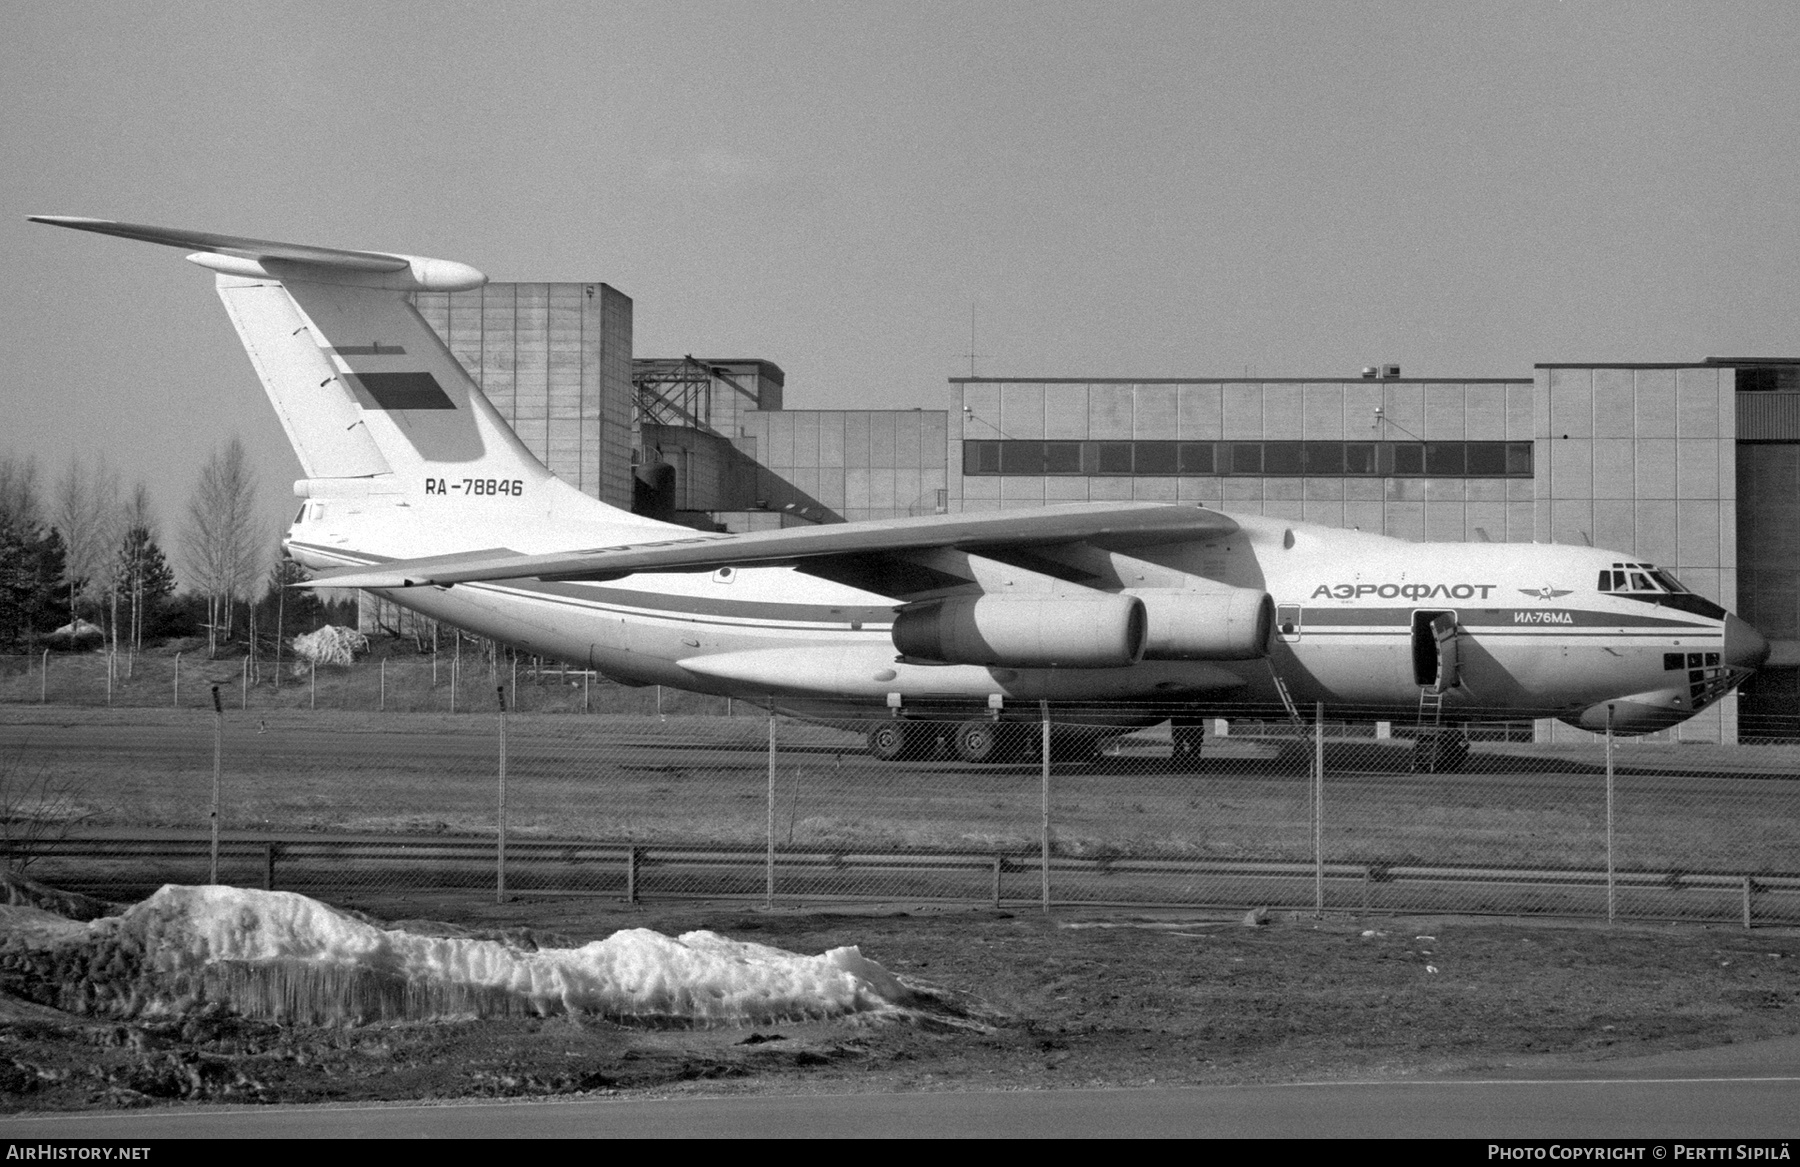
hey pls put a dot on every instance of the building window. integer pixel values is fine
(1062, 457)
(1445, 459)
(1114, 458)
(1021, 457)
(1284, 459)
(1195, 457)
(1769, 379)
(1154, 458)
(1327, 457)
(1280, 459)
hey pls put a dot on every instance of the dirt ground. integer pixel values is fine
(1032, 1001)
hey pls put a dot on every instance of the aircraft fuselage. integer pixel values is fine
(1535, 636)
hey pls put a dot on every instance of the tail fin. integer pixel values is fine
(365, 386)
(365, 389)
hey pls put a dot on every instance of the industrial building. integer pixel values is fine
(1695, 467)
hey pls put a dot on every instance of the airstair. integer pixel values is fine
(1287, 698)
(1434, 743)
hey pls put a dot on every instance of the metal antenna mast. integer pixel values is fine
(972, 354)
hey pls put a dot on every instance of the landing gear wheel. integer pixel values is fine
(889, 740)
(979, 741)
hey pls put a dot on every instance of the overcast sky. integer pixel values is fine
(1120, 189)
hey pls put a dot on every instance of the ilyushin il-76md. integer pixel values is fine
(962, 626)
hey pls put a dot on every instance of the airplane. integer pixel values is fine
(1103, 618)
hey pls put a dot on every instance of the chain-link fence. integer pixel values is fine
(459, 677)
(712, 798)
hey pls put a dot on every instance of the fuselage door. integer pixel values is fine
(1434, 653)
(1287, 621)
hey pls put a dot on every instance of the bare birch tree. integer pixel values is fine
(140, 538)
(222, 540)
(87, 513)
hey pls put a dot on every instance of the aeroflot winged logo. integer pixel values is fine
(1408, 591)
(1544, 593)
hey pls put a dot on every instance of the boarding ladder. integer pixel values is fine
(1287, 698)
(1431, 727)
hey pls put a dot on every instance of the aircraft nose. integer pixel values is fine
(1745, 647)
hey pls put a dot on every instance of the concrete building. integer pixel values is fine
(555, 359)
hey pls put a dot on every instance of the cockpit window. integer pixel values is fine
(1669, 582)
(1653, 585)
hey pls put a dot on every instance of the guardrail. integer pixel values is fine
(131, 862)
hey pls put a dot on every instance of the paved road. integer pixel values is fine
(1701, 1104)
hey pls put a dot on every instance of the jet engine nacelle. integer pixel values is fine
(1213, 624)
(1095, 631)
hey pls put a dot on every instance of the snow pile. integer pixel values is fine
(77, 633)
(276, 952)
(330, 645)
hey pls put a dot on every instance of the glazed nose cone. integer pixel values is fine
(1745, 647)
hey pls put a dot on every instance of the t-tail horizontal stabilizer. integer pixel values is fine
(265, 258)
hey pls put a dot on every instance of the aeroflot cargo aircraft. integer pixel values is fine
(1114, 614)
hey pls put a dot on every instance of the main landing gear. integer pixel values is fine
(982, 740)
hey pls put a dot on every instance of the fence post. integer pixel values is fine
(44, 677)
(109, 679)
(1749, 888)
(218, 753)
(631, 874)
(1044, 821)
(1611, 890)
(455, 667)
(314, 700)
(500, 868)
(515, 678)
(769, 862)
(381, 703)
(587, 691)
(244, 701)
(178, 680)
(1318, 809)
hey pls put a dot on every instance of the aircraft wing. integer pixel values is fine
(1110, 526)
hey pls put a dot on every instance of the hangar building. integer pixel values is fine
(1695, 466)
